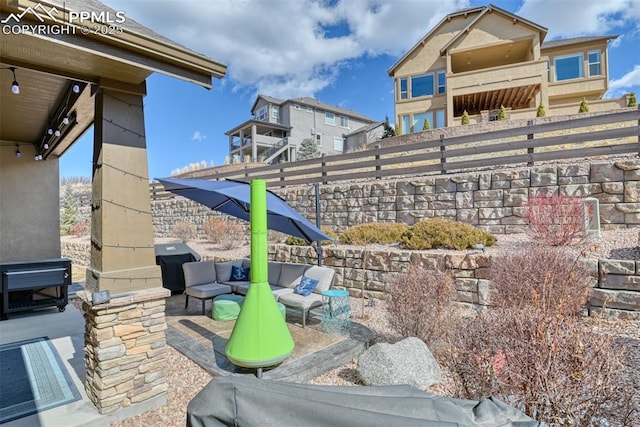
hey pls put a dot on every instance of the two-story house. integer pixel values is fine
(479, 59)
(278, 127)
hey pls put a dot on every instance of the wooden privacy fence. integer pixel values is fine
(614, 133)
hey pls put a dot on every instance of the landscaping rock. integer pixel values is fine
(406, 362)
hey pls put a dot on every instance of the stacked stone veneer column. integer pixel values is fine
(126, 349)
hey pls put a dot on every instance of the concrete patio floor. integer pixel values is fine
(203, 340)
(198, 337)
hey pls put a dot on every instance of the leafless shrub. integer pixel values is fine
(184, 231)
(556, 220)
(543, 277)
(228, 234)
(419, 301)
(213, 229)
(552, 367)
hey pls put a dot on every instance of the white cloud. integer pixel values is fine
(281, 47)
(197, 136)
(583, 17)
(632, 78)
(284, 48)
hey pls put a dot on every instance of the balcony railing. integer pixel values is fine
(495, 78)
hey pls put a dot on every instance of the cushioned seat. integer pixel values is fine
(324, 279)
(200, 282)
(226, 307)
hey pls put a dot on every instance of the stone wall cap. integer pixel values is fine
(119, 300)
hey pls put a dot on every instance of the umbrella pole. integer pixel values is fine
(318, 242)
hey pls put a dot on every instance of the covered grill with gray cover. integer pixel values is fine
(247, 401)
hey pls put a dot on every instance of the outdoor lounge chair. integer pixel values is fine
(200, 282)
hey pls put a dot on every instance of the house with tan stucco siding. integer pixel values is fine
(479, 59)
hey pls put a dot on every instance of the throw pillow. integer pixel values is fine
(306, 286)
(239, 274)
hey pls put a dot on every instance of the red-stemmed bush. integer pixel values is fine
(556, 220)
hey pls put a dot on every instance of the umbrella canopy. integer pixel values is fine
(233, 198)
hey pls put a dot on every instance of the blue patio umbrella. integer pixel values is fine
(233, 198)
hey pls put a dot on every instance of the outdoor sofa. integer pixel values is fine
(226, 277)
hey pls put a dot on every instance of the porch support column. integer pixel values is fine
(125, 347)
(122, 251)
(254, 145)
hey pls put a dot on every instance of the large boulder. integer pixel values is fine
(406, 362)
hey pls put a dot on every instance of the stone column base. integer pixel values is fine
(125, 349)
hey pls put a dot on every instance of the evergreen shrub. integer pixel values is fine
(373, 232)
(436, 233)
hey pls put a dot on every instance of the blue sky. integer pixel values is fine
(336, 51)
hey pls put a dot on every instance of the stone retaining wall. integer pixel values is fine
(491, 200)
(369, 271)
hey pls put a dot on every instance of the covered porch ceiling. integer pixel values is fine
(513, 97)
(48, 65)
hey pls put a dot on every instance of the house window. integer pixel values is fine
(440, 119)
(344, 121)
(418, 121)
(422, 85)
(403, 88)
(594, 63)
(338, 144)
(569, 67)
(330, 119)
(318, 139)
(275, 112)
(442, 82)
(406, 127)
(262, 114)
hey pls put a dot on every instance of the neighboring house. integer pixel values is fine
(481, 58)
(359, 138)
(279, 126)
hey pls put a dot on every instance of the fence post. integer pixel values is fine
(443, 155)
(529, 149)
(377, 157)
(246, 171)
(324, 169)
(282, 177)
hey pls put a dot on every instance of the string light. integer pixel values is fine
(15, 87)
(124, 129)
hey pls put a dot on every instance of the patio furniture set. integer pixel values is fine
(294, 286)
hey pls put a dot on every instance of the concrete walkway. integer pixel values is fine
(65, 330)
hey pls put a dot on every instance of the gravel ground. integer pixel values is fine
(185, 379)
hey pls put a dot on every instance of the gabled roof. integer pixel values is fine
(365, 128)
(268, 99)
(486, 10)
(313, 103)
(576, 40)
(481, 10)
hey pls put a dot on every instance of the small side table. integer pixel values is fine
(336, 312)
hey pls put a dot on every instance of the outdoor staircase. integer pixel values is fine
(273, 152)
